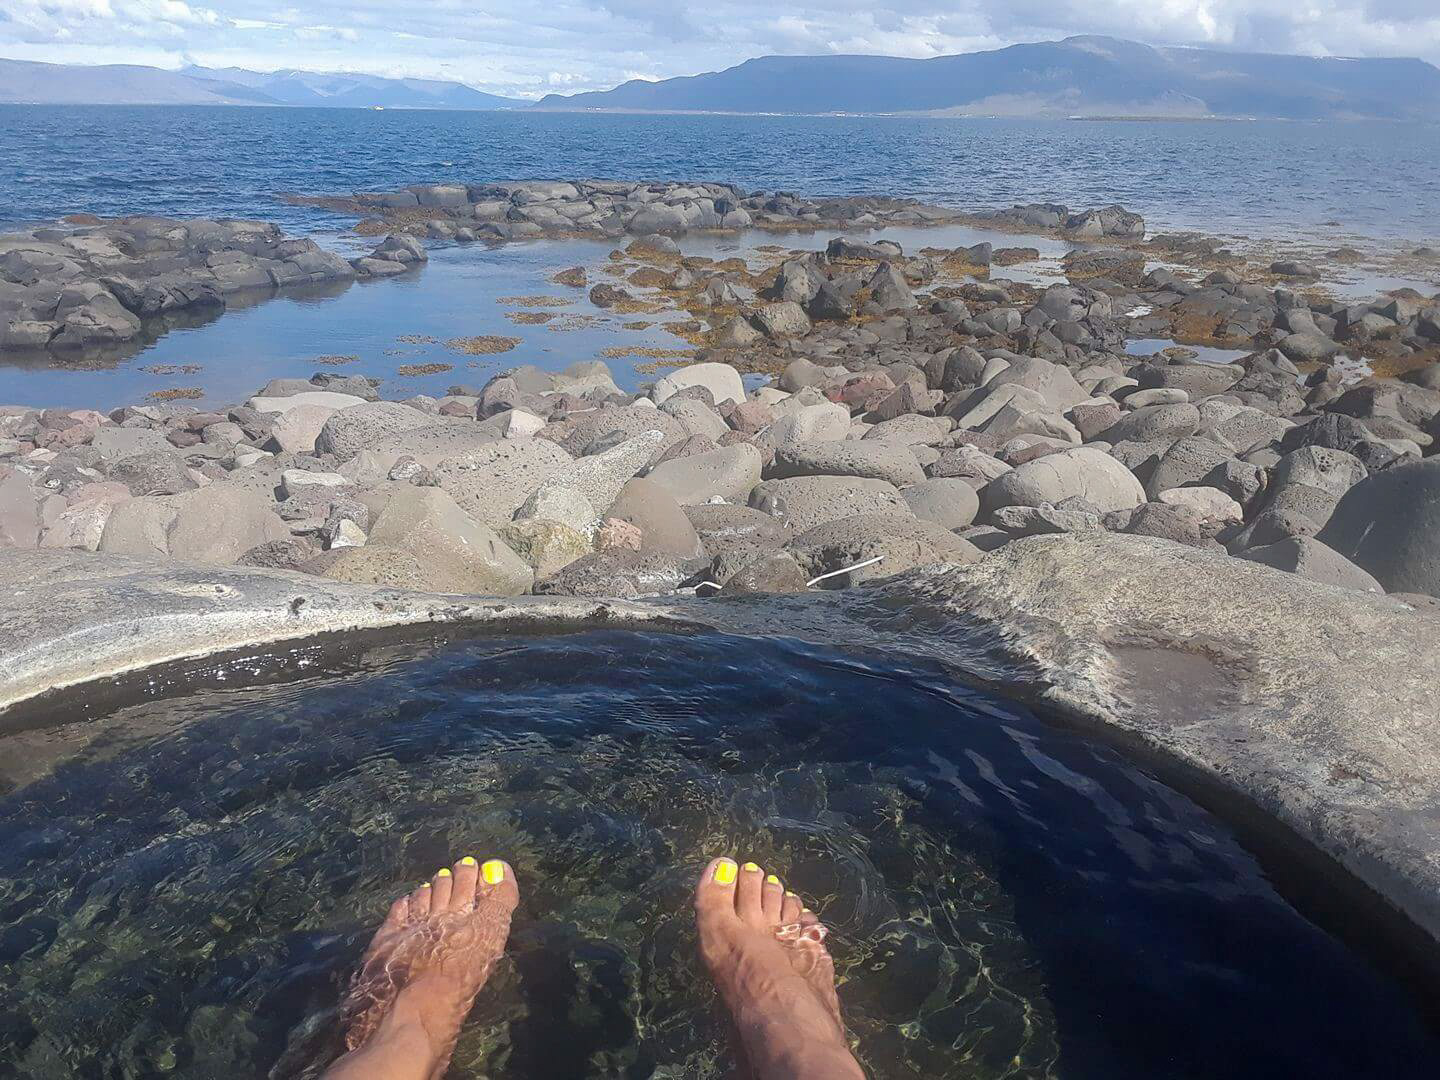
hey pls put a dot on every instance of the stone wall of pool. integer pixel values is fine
(1306, 708)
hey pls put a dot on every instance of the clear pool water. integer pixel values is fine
(185, 882)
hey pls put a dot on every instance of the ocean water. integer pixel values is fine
(185, 884)
(1260, 179)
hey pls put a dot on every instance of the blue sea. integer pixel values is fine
(1253, 178)
(1269, 182)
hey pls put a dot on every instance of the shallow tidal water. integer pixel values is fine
(185, 884)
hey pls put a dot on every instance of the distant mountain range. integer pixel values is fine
(27, 82)
(1079, 76)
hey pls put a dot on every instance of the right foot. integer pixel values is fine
(767, 956)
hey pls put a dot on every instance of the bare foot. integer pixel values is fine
(767, 956)
(422, 971)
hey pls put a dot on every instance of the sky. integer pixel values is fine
(563, 46)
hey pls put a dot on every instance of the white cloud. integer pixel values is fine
(572, 45)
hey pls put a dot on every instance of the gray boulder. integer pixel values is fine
(876, 459)
(1313, 560)
(213, 525)
(901, 542)
(622, 574)
(949, 502)
(727, 473)
(1389, 525)
(494, 480)
(1089, 473)
(158, 472)
(457, 553)
(771, 572)
(361, 427)
(660, 519)
(806, 501)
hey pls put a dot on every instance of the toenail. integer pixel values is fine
(425, 884)
(772, 879)
(750, 867)
(792, 896)
(468, 860)
(724, 872)
(444, 871)
(806, 911)
(493, 871)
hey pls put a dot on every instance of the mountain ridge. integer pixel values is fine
(35, 82)
(1083, 75)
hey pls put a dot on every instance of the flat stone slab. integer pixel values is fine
(1314, 705)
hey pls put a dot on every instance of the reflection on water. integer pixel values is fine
(1205, 354)
(185, 885)
(378, 327)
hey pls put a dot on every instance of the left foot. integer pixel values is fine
(422, 971)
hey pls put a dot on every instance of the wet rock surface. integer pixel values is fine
(66, 289)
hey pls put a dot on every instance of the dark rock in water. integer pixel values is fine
(888, 291)
(72, 288)
(858, 250)
(1113, 220)
(604, 296)
(1294, 268)
(1389, 524)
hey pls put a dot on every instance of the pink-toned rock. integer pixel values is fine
(859, 389)
(82, 523)
(297, 429)
(748, 417)
(617, 535)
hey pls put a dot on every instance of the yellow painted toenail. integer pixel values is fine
(425, 884)
(493, 871)
(444, 871)
(772, 879)
(468, 860)
(806, 911)
(724, 872)
(792, 896)
(751, 868)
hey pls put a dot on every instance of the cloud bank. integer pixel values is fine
(572, 45)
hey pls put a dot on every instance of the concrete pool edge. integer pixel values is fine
(1311, 705)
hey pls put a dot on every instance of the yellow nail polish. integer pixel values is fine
(724, 872)
(444, 871)
(806, 911)
(771, 879)
(468, 860)
(425, 884)
(750, 867)
(493, 871)
(791, 896)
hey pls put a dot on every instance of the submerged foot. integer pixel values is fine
(422, 971)
(767, 956)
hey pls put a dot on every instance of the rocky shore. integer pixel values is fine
(91, 283)
(918, 412)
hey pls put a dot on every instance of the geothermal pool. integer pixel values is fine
(187, 877)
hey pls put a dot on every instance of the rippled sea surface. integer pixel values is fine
(1253, 178)
(185, 884)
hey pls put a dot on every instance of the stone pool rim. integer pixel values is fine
(1317, 776)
